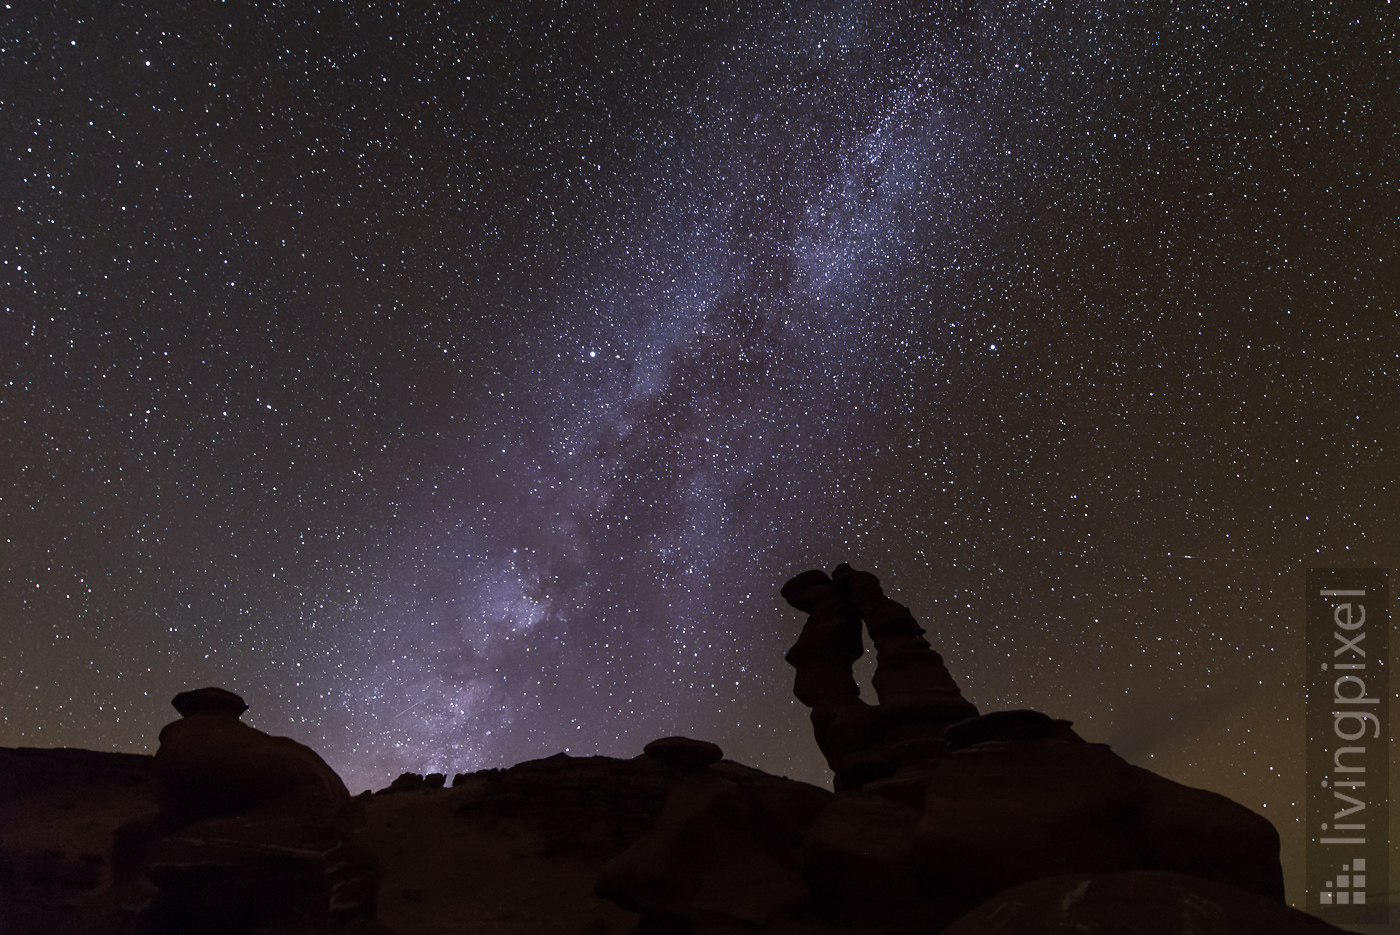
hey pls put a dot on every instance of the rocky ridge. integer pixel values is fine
(944, 819)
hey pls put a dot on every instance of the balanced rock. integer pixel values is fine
(211, 763)
(917, 696)
(939, 808)
(209, 701)
(254, 831)
(911, 682)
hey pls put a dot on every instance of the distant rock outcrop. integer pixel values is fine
(414, 782)
(684, 752)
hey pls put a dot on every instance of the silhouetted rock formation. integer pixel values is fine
(211, 763)
(253, 830)
(917, 697)
(1004, 823)
(58, 811)
(1140, 902)
(711, 849)
(209, 701)
(414, 782)
(982, 803)
(516, 851)
(683, 752)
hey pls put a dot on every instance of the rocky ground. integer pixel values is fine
(521, 851)
(943, 819)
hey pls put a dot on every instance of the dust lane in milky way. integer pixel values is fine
(460, 387)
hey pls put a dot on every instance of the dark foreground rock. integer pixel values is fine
(1143, 902)
(252, 832)
(944, 819)
(520, 851)
(514, 851)
(59, 810)
(914, 851)
(725, 844)
(977, 803)
(211, 763)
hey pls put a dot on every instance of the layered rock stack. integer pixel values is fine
(917, 697)
(254, 831)
(211, 763)
(975, 804)
(937, 808)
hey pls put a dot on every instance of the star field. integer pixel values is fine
(460, 386)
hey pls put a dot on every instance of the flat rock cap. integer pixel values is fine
(807, 589)
(209, 701)
(683, 752)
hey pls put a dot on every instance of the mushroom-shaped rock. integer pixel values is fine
(211, 763)
(209, 701)
(257, 828)
(684, 752)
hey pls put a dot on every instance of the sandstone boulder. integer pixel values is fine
(858, 856)
(211, 763)
(267, 868)
(59, 810)
(1140, 902)
(1002, 813)
(254, 831)
(941, 807)
(705, 855)
(684, 752)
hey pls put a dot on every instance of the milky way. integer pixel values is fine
(460, 387)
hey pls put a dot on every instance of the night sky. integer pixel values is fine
(460, 386)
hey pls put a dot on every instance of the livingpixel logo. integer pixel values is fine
(1348, 755)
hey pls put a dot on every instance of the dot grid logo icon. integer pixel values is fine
(1350, 887)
